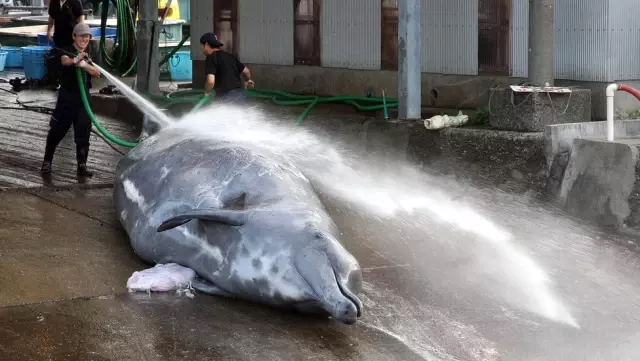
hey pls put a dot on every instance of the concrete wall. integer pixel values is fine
(601, 183)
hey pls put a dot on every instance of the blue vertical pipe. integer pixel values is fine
(409, 59)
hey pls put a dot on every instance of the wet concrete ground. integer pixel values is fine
(23, 134)
(431, 291)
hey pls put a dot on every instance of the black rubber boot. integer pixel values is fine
(82, 155)
(46, 167)
(84, 172)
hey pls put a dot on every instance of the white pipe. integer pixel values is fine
(611, 90)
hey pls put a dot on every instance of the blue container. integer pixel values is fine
(34, 59)
(95, 33)
(14, 56)
(3, 59)
(180, 66)
(185, 9)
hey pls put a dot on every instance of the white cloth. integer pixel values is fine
(161, 278)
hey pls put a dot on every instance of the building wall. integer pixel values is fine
(624, 43)
(595, 40)
(450, 37)
(581, 29)
(265, 31)
(348, 41)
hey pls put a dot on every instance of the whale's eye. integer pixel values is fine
(319, 235)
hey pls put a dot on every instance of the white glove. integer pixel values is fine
(83, 63)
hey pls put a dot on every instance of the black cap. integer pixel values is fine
(211, 39)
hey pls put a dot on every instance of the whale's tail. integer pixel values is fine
(335, 277)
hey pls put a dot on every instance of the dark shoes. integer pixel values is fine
(84, 172)
(46, 167)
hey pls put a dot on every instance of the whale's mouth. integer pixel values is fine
(346, 292)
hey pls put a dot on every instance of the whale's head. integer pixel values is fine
(305, 243)
(333, 274)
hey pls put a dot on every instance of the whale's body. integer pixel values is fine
(245, 219)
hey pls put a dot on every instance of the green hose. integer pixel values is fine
(125, 59)
(85, 102)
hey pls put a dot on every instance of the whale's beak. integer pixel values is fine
(336, 289)
(353, 282)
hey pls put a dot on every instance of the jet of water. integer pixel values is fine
(397, 192)
(143, 104)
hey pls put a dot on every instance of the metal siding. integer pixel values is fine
(450, 36)
(624, 41)
(350, 32)
(201, 22)
(520, 38)
(265, 31)
(581, 39)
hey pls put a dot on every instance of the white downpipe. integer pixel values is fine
(611, 90)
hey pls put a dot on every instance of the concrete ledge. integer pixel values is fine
(558, 138)
(512, 161)
(601, 182)
(532, 111)
(116, 106)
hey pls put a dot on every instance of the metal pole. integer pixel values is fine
(541, 42)
(409, 59)
(147, 77)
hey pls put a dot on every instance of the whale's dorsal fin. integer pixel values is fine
(230, 217)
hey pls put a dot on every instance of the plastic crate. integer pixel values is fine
(34, 60)
(3, 59)
(170, 33)
(14, 56)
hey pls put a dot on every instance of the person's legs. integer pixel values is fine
(82, 132)
(58, 127)
(234, 97)
(54, 66)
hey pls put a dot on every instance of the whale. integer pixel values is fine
(245, 219)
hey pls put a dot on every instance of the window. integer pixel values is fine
(225, 20)
(389, 35)
(494, 37)
(307, 32)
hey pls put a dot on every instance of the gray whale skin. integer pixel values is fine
(246, 220)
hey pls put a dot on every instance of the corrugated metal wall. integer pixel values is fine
(349, 40)
(450, 36)
(624, 40)
(201, 22)
(581, 39)
(520, 38)
(265, 31)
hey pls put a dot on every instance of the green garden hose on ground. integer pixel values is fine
(276, 96)
(280, 97)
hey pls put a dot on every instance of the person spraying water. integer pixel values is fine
(69, 107)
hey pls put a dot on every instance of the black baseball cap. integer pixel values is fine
(211, 39)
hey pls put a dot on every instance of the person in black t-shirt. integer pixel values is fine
(69, 107)
(223, 71)
(63, 16)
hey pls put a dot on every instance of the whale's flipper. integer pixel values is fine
(205, 286)
(230, 217)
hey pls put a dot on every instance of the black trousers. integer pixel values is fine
(69, 110)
